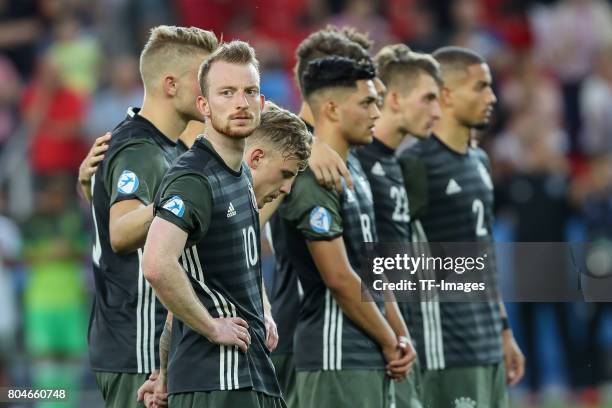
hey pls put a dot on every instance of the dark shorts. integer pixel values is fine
(344, 388)
(478, 386)
(408, 392)
(285, 373)
(119, 389)
(216, 399)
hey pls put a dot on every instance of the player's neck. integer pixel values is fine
(306, 114)
(165, 119)
(453, 134)
(230, 149)
(191, 132)
(388, 133)
(330, 135)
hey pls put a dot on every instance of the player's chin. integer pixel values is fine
(241, 132)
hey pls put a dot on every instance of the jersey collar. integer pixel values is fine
(132, 114)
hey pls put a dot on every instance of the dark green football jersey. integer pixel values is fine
(285, 293)
(216, 207)
(126, 319)
(325, 338)
(451, 195)
(384, 172)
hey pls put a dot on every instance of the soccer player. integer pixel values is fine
(410, 107)
(463, 345)
(329, 169)
(127, 320)
(342, 344)
(207, 215)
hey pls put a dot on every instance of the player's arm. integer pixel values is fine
(514, 359)
(332, 263)
(132, 176)
(397, 323)
(271, 329)
(90, 164)
(129, 222)
(328, 167)
(161, 268)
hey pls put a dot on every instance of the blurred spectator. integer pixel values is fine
(534, 133)
(596, 105)
(9, 96)
(76, 55)
(54, 115)
(55, 316)
(20, 30)
(470, 31)
(109, 106)
(365, 16)
(276, 82)
(10, 252)
(532, 187)
(425, 34)
(567, 36)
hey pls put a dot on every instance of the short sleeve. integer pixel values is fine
(135, 172)
(314, 210)
(187, 203)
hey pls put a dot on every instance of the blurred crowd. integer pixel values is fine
(69, 70)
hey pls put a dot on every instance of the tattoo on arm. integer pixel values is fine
(164, 344)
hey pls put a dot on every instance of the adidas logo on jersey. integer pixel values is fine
(377, 170)
(230, 210)
(453, 187)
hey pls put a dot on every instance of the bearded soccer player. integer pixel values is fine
(410, 107)
(343, 345)
(271, 153)
(202, 251)
(126, 319)
(463, 345)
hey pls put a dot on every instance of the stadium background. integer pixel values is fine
(69, 70)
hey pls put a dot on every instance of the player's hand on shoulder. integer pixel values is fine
(95, 155)
(328, 167)
(231, 331)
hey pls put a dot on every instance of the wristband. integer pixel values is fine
(505, 323)
(405, 340)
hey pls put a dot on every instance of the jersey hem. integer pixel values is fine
(192, 391)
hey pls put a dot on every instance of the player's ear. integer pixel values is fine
(255, 157)
(393, 100)
(170, 85)
(331, 111)
(203, 107)
(262, 101)
(446, 97)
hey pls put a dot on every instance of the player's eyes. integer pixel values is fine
(227, 92)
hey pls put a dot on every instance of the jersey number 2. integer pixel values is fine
(478, 209)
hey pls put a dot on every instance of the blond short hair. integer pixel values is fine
(397, 66)
(234, 52)
(285, 132)
(168, 45)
